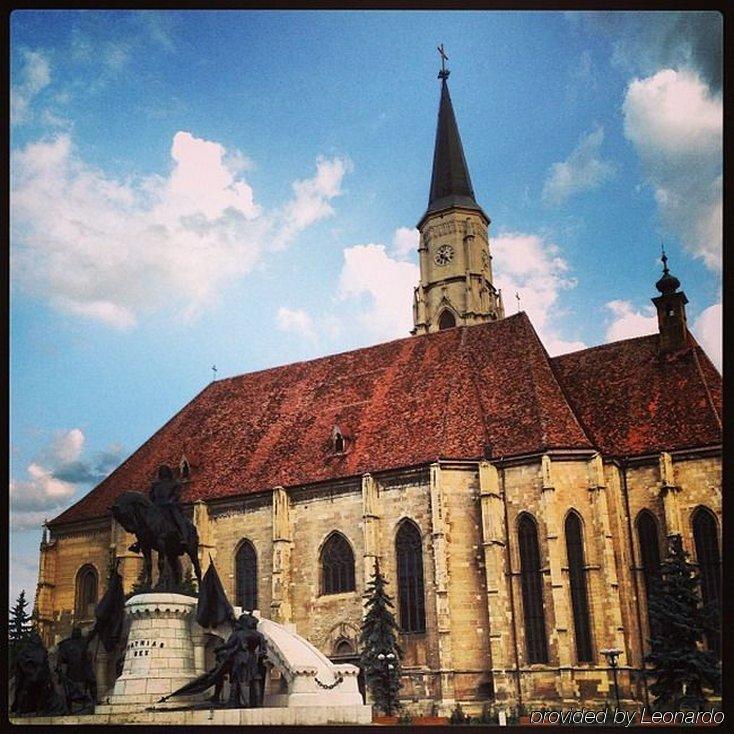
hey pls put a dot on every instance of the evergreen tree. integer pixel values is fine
(188, 585)
(381, 654)
(19, 625)
(141, 586)
(681, 668)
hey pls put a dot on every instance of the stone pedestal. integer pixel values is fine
(159, 655)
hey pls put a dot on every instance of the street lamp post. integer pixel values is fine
(386, 661)
(612, 657)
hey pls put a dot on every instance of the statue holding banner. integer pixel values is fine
(240, 658)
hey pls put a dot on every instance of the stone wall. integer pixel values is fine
(473, 649)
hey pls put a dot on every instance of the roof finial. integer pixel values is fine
(668, 283)
(444, 73)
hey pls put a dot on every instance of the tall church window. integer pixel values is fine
(411, 596)
(577, 582)
(246, 576)
(446, 320)
(531, 580)
(647, 534)
(706, 540)
(86, 591)
(337, 565)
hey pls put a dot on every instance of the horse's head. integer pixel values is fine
(126, 510)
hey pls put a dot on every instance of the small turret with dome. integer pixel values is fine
(671, 308)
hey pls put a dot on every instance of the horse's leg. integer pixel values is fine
(162, 580)
(148, 565)
(175, 567)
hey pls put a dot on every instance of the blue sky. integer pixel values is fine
(240, 188)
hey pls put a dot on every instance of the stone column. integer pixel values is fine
(441, 576)
(498, 600)
(559, 593)
(669, 493)
(204, 530)
(611, 607)
(43, 606)
(370, 525)
(280, 605)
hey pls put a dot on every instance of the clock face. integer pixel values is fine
(444, 255)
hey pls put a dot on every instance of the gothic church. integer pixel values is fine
(518, 504)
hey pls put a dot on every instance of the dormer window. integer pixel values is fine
(338, 442)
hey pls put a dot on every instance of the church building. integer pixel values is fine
(518, 504)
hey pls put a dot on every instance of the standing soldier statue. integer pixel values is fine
(76, 673)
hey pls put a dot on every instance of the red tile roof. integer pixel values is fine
(631, 400)
(411, 401)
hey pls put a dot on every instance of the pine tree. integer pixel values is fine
(681, 668)
(381, 654)
(19, 625)
(188, 585)
(141, 586)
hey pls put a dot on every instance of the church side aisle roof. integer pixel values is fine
(633, 401)
(399, 404)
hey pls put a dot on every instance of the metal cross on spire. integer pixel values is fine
(517, 295)
(444, 73)
(664, 260)
(214, 372)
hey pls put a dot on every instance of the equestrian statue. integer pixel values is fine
(159, 524)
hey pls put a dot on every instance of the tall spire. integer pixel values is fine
(450, 181)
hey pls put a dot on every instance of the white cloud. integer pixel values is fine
(107, 249)
(53, 478)
(382, 289)
(295, 322)
(583, 170)
(627, 322)
(68, 445)
(675, 124)
(530, 266)
(707, 329)
(35, 75)
(40, 492)
(405, 242)
(312, 196)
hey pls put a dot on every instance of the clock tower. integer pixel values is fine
(455, 288)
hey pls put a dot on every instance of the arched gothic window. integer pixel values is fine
(577, 582)
(86, 591)
(411, 597)
(647, 534)
(246, 576)
(446, 320)
(531, 579)
(343, 648)
(706, 540)
(337, 565)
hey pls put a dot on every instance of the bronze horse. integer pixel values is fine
(139, 516)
